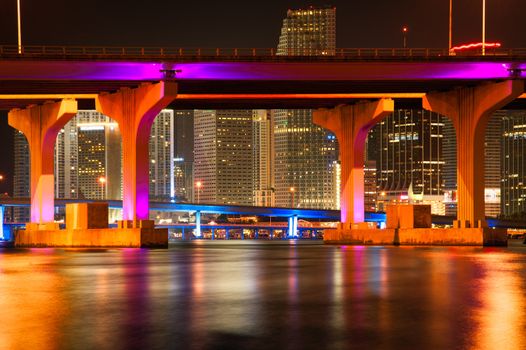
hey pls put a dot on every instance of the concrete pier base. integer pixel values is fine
(419, 236)
(94, 238)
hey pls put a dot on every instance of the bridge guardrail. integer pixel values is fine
(110, 51)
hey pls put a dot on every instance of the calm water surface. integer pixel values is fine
(263, 295)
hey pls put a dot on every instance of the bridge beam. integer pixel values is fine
(351, 124)
(41, 125)
(135, 110)
(470, 109)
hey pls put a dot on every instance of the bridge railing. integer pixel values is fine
(110, 51)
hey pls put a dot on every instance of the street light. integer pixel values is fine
(198, 184)
(450, 25)
(292, 197)
(404, 31)
(19, 27)
(102, 181)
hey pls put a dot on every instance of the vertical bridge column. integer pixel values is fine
(351, 124)
(41, 125)
(135, 110)
(470, 109)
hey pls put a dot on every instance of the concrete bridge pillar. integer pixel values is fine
(470, 109)
(351, 124)
(135, 110)
(41, 125)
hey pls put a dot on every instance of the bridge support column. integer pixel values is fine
(213, 234)
(41, 125)
(227, 233)
(351, 124)
(198, 224)
(135, 110)
(470, 109)
(256, 233)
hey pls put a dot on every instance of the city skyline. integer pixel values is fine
(68, 26)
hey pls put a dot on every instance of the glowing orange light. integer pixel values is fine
(475, 45)
(102, 180)
(405, 29)
(291, 189)
(198, 184)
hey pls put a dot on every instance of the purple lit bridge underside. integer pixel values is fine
(238, 84)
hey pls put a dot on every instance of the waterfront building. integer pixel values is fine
(410, 161)
(161, 151)
(21, 185)
(513, 185)
(305, 154)
(263, 156)
(184, 155)
(223, 156)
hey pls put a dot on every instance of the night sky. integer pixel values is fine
(245, 23)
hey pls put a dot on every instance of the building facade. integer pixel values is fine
(223, 156)
(263, 156)
(513, 185)
(305, 154)
(410, 162)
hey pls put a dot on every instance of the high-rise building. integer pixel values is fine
(369, 185)
(223, 156)
(263, 155)
(410, 162)
(21, 184)
(88, 158)
(184, 155)
(308, 32)
(161, 150)
(492, 165)
(305, 154)
(513, 186)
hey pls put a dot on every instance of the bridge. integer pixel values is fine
(352, 91)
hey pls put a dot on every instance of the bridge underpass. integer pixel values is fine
(444, 82)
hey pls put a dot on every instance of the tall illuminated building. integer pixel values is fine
(263, 157)
(410, 161)
(513, 186)
(21, 185)
(88, 158)
(184, 155)
(492, 165)
(223, 156)
(305, 154)
(161, 150)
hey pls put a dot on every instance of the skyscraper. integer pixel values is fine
(21, 185)
(161, 150)
(223, 156)
(305, 153)
(263, 155)
(513, 162)
(184, 155)
(410, 162)
(492, 165)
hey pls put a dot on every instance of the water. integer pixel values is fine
(264, 295)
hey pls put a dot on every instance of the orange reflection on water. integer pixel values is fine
(31, 302)
(501, 314)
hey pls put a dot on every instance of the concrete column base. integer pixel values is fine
(99, 238)
(419, 236)
(37, 226)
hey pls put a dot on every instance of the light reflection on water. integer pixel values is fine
(246, 294)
